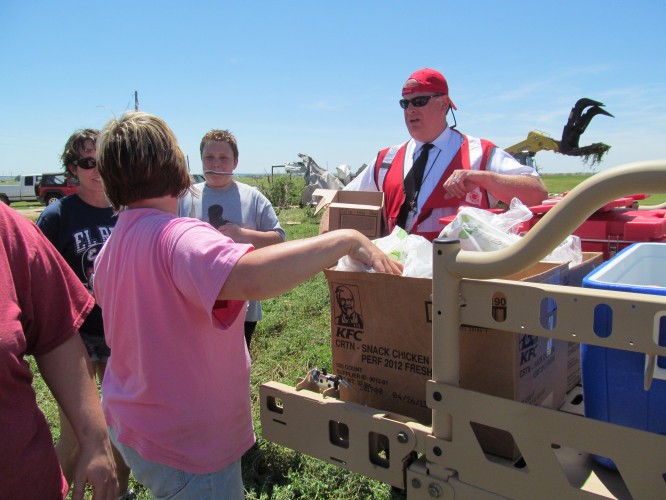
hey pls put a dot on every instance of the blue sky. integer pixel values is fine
(324, 78)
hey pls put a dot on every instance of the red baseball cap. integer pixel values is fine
(427, 80)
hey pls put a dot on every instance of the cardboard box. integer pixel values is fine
(381, 338)
(514, 366)
(360, 210)
(576, 273)
(574, 277)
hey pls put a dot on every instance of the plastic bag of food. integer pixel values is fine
(413, 251)
(484, 231)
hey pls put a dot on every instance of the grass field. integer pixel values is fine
(293, 337)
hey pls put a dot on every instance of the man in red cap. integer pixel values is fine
(439, 169)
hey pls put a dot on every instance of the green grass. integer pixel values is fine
(294, 337)
(561, 183)
(558, 184)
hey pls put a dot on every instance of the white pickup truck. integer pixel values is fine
(25, 190)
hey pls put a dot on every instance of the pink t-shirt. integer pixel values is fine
(176, 388)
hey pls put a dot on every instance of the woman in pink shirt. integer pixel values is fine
(173, 291)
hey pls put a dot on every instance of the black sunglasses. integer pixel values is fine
(417, 102)
(85, 163)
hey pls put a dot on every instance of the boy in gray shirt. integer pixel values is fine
(238, 211)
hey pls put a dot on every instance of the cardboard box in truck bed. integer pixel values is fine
(381, 337)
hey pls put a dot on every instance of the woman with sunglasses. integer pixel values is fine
(78, 225)
(439, 169)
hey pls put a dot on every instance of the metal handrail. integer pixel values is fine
(451, 264)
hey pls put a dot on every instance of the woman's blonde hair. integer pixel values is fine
(138, 157)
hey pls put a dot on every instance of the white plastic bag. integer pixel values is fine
(346, 263)
(413, 251)
(484, 231)
(569, 250)
(418, 258)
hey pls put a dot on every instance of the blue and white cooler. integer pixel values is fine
(613, 380)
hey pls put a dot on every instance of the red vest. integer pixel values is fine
(389, 177)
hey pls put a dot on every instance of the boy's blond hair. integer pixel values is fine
(220, 136)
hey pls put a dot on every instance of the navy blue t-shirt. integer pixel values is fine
(78, 231)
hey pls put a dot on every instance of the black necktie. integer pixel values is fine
(413, 182)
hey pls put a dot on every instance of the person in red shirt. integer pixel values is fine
(42, 305)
